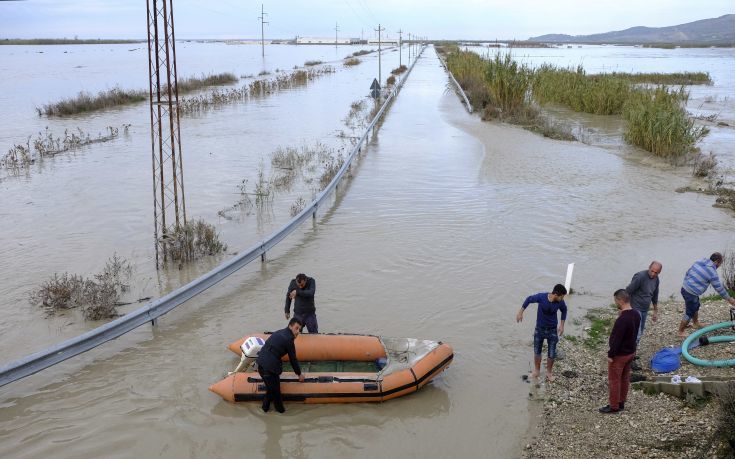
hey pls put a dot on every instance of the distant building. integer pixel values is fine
(326, 41)
(383, 40)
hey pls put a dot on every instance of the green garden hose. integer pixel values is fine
(708, 340)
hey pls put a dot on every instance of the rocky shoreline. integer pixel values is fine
(569, 425)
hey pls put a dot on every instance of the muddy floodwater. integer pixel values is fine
(445, 226)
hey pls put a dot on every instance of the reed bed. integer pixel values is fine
(258, 88)
(85, 102)
(508, 83)
(658, 122)
(468, 69)
(680, 78)
(598, 94)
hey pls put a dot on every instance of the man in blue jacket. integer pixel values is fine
(270, 365)
(701, 275)
(546, 326)
(301, 291)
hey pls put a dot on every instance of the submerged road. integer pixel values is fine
(446, 226)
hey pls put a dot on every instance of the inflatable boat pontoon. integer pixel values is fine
(341, 368)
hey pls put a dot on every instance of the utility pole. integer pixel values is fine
(336, 29)
(409, 48)
(379, 29)
(262, 29)
(400, 46)
(169, 205)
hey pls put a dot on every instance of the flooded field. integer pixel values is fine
(446, 226)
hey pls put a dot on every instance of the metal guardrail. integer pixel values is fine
(459, 88)
(149, 313)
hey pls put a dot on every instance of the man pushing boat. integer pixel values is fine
(270, 365)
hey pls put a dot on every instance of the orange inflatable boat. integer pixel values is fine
(342, 369)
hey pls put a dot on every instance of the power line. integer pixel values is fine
(379, 29)
(262, 29)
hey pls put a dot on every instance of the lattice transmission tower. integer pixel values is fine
(169, 205)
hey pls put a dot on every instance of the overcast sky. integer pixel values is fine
(472, 19)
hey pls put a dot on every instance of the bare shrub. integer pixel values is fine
(391, 80)
(194, 240)
(352, 61)
(728, 270)
(399, 70)
(725, 421)
(98, 297)
(704, 165)
(18, 156)
(331, 167)
(297, 206)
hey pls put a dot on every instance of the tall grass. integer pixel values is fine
(666, 78)
(658, 122)
(598, 94)
(508, 83)
(468, 69)
(86, 102)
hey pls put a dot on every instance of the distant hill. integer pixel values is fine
(716, 31)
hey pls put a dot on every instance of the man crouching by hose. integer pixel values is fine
(270, 365)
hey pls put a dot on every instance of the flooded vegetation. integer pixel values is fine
(352, 62)
(439, 192)
(260, 88)
(46, 144)
(499, 88)
(193, 240)
(656, 119)
(85, 102)
(97, 296)
(658, 123)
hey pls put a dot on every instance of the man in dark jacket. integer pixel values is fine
(270, 365)
(622, 350)
(301, 291)
(643, 290)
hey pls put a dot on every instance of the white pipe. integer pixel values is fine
(568, 281)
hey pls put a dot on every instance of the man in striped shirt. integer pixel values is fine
(701, 275)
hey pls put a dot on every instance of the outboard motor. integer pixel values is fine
(250, 349)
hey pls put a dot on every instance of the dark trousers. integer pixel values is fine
(618, 377)
(272, 390)
(309, 321)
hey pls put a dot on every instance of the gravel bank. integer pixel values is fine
(569, 424)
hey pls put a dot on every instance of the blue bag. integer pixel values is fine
(666, 360)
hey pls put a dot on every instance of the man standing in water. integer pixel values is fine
(546, 326)
(622, 350)
(301, 291)
(270, 365)
(643, 291)
(701, 275)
